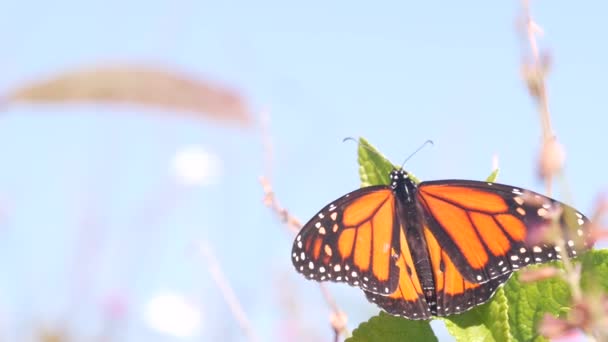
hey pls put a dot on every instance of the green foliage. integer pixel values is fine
(511, 315)
(528, 303)
(385, 327)
(374, 168)
(595, 270)
(493, 176)
(487, 322)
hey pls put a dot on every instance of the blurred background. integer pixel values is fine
(138, 221)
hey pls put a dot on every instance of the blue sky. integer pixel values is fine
(396, 73)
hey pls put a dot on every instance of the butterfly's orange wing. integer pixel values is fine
(354, 239)
(408, 299)
(483, 227)
(475, 235)
(453, 293)
(464, 240)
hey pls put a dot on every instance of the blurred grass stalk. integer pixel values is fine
(338, 318)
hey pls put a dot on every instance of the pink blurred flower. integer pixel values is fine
(116, 306)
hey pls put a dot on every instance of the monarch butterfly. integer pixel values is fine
(431, 249)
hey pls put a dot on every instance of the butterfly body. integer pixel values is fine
(430, 249)
(405, 190)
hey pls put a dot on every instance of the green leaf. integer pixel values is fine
(374, 167)
(595, 270)
(493, 176)
(488, 322)
(528, 303)
(387, 328)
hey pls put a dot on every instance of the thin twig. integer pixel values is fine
(535, 75)
(537, 83)
(292, 223)
(266, 144)
(227, 292)
(532, 30)
(266, 181)
(551, 164)
(338, 317)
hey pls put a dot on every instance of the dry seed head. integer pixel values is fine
(551, 159)
(338, 320)
(553, 327)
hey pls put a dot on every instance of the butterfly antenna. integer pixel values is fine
(377, 153)
(361, 145)
(418, 149)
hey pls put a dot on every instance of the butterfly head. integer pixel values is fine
(399, 177)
